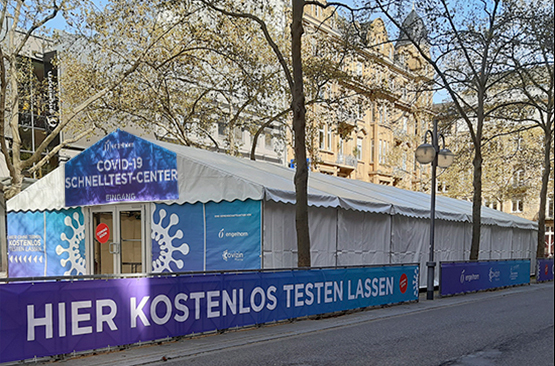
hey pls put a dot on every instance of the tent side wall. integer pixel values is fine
(347, 237)
(363, 238)
(280, 237)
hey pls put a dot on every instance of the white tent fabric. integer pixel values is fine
(208, 176)
(45, 194)
(363, 238)
(351, 222)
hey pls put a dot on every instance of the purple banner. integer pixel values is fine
(544, 270)
(50, 318)
(121, 168)
(462, 277)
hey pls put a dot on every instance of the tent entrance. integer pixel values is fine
(118, 239)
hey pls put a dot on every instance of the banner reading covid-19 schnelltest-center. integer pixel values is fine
(51, 318)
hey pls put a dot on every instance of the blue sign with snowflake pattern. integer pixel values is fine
(50, 318)
(121, 168)
(177, 238)
(46, 243)
(65, 243)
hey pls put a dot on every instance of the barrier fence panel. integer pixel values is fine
(544, 270)
(470, 276)
(50, 318)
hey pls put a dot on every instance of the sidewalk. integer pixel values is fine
(189, 346)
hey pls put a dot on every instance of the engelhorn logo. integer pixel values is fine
(470, 277)
(238, 256)
(234, 234)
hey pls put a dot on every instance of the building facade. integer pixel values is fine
(375, 142)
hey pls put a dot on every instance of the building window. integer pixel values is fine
(238, 134)
(517, 205)
(329, 136)
(492, 204)
(518, 178)
(549, 208)
(372, 148)
(221, 129)
(341, 145)
(359, 148)
(359, 68)
(382, 112)
(383, 148)
(322, 138)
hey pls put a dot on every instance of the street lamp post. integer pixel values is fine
(426, 154)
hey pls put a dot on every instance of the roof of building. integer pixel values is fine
(413, 28)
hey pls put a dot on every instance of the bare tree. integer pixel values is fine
(531, 55)
(22, 24)
(293, 73)
(467, 43)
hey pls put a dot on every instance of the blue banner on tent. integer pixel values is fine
(65, 243)
(26, 247)
(46, 243)
(121, 168)
(233, 235)
(43, 319)
(544, 270)
(462, 277)
(178, 238)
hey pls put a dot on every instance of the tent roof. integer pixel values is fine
(208, 176)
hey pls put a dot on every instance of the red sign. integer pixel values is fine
(403, 283)
(102, 233)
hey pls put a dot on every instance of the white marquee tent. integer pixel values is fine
(351, 222)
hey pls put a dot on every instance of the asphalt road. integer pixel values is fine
(511, 329)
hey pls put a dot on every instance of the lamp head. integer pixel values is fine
(445, 158)
(425, 153)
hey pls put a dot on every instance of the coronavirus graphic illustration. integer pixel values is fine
(161, 234)
(76, 261)
(415, 284)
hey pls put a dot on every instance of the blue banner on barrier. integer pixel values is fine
(461, 277)
(50, 318)
(545, 270)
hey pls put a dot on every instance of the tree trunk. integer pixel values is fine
(299, 128)
(476, 204)
(548, 141)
